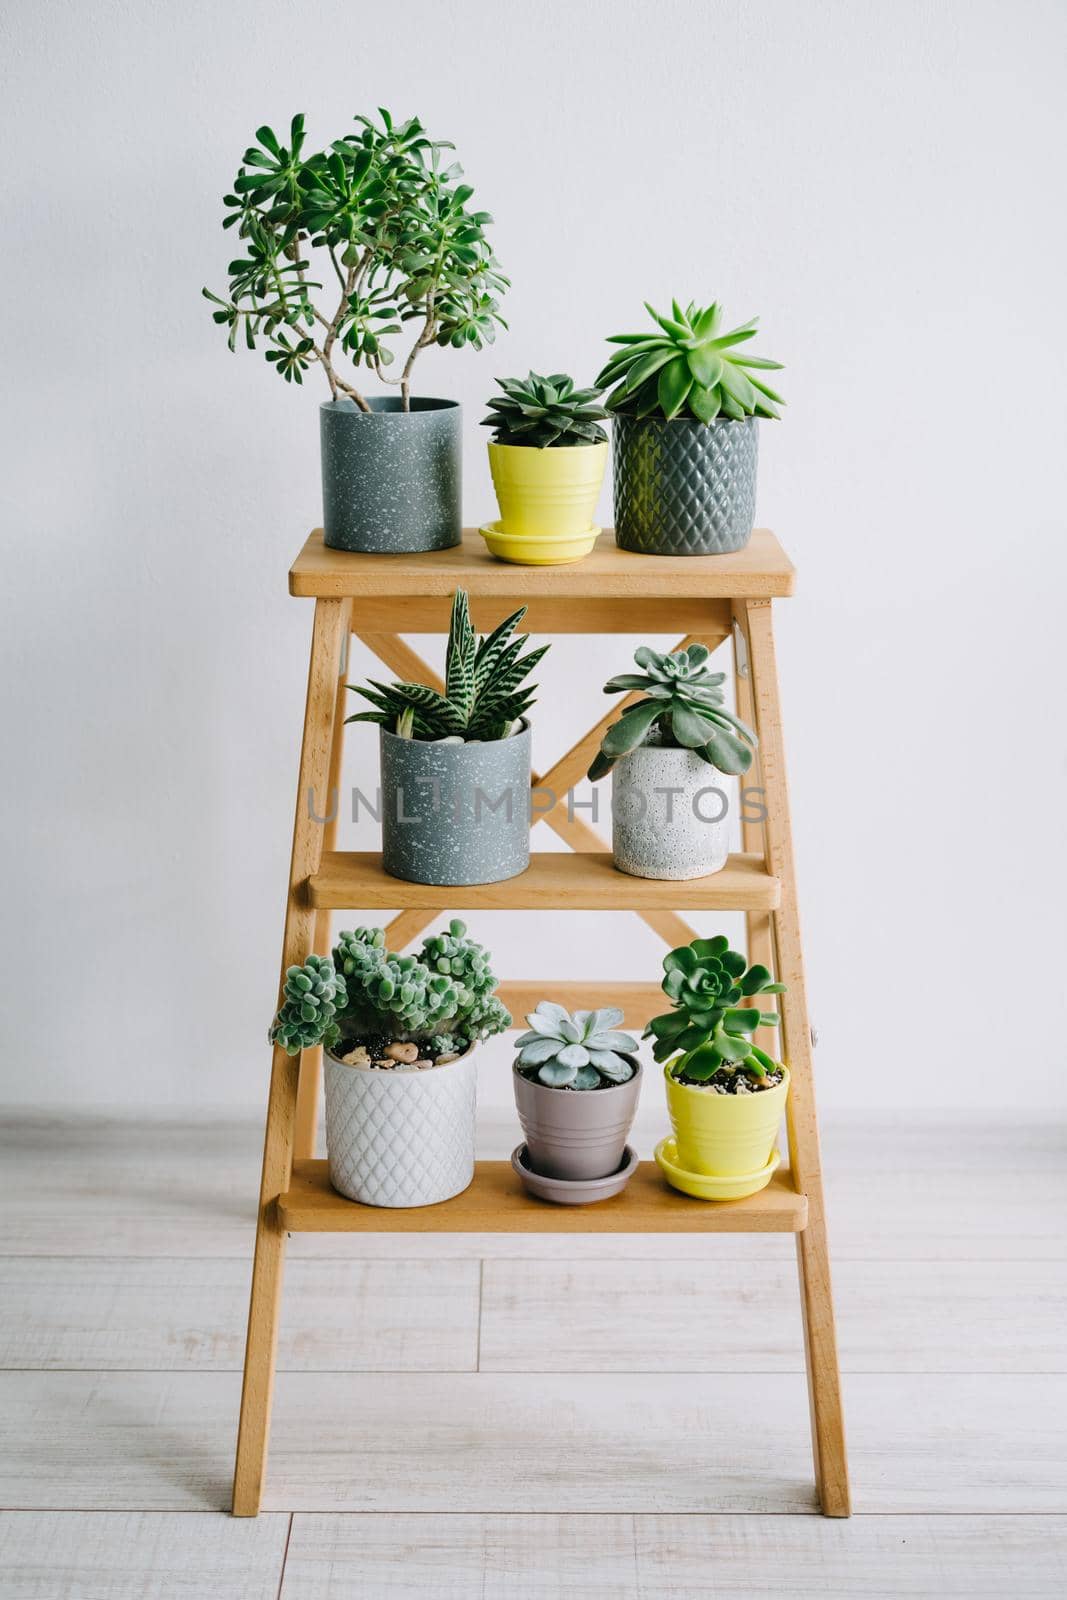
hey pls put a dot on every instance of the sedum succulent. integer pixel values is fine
(313, 996)
(682, 706)
(688, 367)
(582, 1051)
(542, 412)
(485, 693)
(444, 995)
(709, 1030)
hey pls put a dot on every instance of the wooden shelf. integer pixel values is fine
(554, 880)
(762, 570)
(496, 1202)
(639, 1002)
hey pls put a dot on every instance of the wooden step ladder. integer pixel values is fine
(707, 599)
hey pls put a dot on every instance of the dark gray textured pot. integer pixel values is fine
(391, 480)
(576, 1133)
(455, 813)
(684, 488)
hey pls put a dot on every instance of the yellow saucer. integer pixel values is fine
(703, 1187)
(538, 550)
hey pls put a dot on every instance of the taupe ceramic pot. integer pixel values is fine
(576, 1133)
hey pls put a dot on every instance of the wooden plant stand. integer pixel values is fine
(709, 599)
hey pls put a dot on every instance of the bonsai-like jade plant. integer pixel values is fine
(375, 1008)
(682, 707)
(485, 694)
(710, 1030)
(689, 368)
(543, 412)
(395, 235)
(575, 1052)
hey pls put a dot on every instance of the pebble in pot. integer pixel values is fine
(672, 750)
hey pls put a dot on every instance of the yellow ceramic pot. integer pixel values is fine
(725, 1135)
(550, 493)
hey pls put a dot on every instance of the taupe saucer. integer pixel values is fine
(574, 1191)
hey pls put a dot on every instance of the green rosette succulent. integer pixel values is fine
(545, 412)
(689, 368)
(710, 1029)
(583, 1051)
(683, 706)
(314, 994)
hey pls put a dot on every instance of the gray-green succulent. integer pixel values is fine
(709, 1029)
(689, 367)
(545, 412)
(445, 994)
(683, 706)
(485, 694)
(583, 1051)
(313, 995)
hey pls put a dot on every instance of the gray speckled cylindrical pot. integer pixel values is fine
(455, 813)
(668, 814)
(576, 1133)
(391, 480)
(684, 488)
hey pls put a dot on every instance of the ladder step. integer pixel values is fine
(497, 1203)
(555, 880)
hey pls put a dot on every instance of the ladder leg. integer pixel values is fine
(331, 623)
(307, 1091)
(759, 940)
(813, 1260)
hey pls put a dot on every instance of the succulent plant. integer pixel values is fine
(541, 412)
(709, 1029)
(683, 706)
(448, 988)
(582, 1051)
(689, 367)
(485, 694)
(313, 996)
(383, 213)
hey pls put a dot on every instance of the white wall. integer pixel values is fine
(882, 183)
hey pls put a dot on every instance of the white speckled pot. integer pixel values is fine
(668, 814)
(455, 813)
(400, 1139)
(391, 479)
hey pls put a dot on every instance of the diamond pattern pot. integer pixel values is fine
(684, 488)
(400, 1138)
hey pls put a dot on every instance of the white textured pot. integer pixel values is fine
(668, 814)
(400, 1138)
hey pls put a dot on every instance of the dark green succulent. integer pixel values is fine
(485, 694)
(382, 217)
(689, 368)
(314, 994)
(683, 707)
(542, 412)
(709, 1029)
(583, 1051)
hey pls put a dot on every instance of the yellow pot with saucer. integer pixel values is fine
(548, 460)
(724, 1145)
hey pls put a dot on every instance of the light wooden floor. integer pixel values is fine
(534, 1419)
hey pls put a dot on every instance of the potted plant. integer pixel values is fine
(576, 1085)
(685, 401)
(455, 795)
(547, 456)
(342, 249)
(667, 815)
(400, 1076)
(725, 1095)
